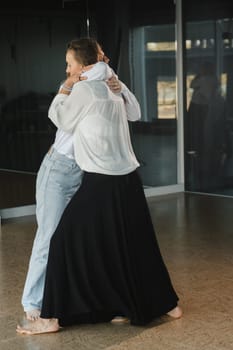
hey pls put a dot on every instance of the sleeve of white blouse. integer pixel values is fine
(66, 111)
(132, 106)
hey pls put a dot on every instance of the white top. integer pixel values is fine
(98, 119)
(64, 140)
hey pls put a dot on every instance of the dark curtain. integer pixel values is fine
(112, 25)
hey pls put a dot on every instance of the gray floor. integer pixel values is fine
(195, 233)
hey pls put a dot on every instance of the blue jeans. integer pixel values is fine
(58, 179)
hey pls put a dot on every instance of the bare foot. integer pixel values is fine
(119, 319)
(40, 326)
(33, 315)
(176, 312)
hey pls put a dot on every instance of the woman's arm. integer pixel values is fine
(66, 110)
(102, 71)
(132, 106)
(67, 105)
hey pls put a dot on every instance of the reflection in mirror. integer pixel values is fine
(33, 65)
(209, 122)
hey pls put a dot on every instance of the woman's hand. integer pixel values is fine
(114, 84)
(69, 82)
(75, 78)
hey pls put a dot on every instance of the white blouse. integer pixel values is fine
(98, 120)
(63, 142)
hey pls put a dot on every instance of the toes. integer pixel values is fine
(175, 313)
(119, 320)
(32, 318)
(33, 315)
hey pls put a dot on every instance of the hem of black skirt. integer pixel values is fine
(103, 317)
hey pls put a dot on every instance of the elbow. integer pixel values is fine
(135, 117)
(53, 119)
(58, 122)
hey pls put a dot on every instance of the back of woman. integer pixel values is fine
(99, 122)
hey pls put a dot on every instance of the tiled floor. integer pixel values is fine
(195, 233)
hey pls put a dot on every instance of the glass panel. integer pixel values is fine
(32, 64)
(154, 84)
(209, 117)
(29, 81)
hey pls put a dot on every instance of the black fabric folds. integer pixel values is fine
(104, 257)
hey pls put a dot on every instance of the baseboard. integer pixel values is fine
(26, 210)
(163, 190)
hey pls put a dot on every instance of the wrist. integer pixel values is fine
(62, 91)
(66, 87)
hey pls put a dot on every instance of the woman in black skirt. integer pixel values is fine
(104, 259)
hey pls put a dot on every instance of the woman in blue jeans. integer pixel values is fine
(59, 177)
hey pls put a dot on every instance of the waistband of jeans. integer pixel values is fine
(53, 153)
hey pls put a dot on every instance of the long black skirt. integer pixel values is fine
(104, 259)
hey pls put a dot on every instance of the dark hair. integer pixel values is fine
(85, 49)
